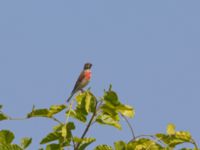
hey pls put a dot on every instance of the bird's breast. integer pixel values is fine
(88, 74)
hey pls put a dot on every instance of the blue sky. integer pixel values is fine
(148, 50)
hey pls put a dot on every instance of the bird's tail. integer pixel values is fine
(70, 97)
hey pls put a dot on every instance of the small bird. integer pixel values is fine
(83, 79)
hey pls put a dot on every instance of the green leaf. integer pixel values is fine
(58, 127)
(144, 144)
(54, 109)
(3, 116)
(10, 147)
(25, 142)
(107, 120)
(120, 145)
(77, 115)
(6, 137)
(111, 97)
(70, 126)
(51, 137)
(53, 147)
(90, 102)
(173, 140)
(66, 130)
(85, 102)
(1, 106)
(103, 147)
(44, 112)
(84, 142)
(126, 110)
(110, 110)
(171, 129)
(39, 113)
(80, 98)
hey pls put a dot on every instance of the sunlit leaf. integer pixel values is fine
(25, 142)
(77, 115)
(126, 110)
(171, 129)
(58, 127)
(54, 109)
(88, 99)
(111, 111)
(6, 137)
(84, 142)
(120, 145)
(39, 113)
(173, 140)
(10, 147)
(93, 102)
(50, 137)
(103, 147)
(144, 144)
(85, 102)
(184, 135)
(64, 131)
(107, 120)
(81, 103)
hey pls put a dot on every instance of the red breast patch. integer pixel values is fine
(88, 75)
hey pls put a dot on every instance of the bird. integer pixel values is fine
(83, 80)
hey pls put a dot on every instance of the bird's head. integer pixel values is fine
(87, 66)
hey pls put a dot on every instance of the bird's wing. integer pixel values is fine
(80, 78)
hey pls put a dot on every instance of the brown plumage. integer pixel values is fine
(82, 80)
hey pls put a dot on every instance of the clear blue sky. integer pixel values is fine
(148, 50)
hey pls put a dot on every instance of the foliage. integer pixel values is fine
(106, 110)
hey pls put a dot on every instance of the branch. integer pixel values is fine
(87, 127)
(25, 118)
(55, 119)
(194, 143)
(129, 125)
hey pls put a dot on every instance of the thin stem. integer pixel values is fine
(10, 118)
(74, 145)
(67, 119)
(194, 143)
(87, 127)
(129, 125)
(70, 107)
(55, 119)
(52, 118)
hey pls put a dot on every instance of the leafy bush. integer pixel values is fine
(107, 110)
